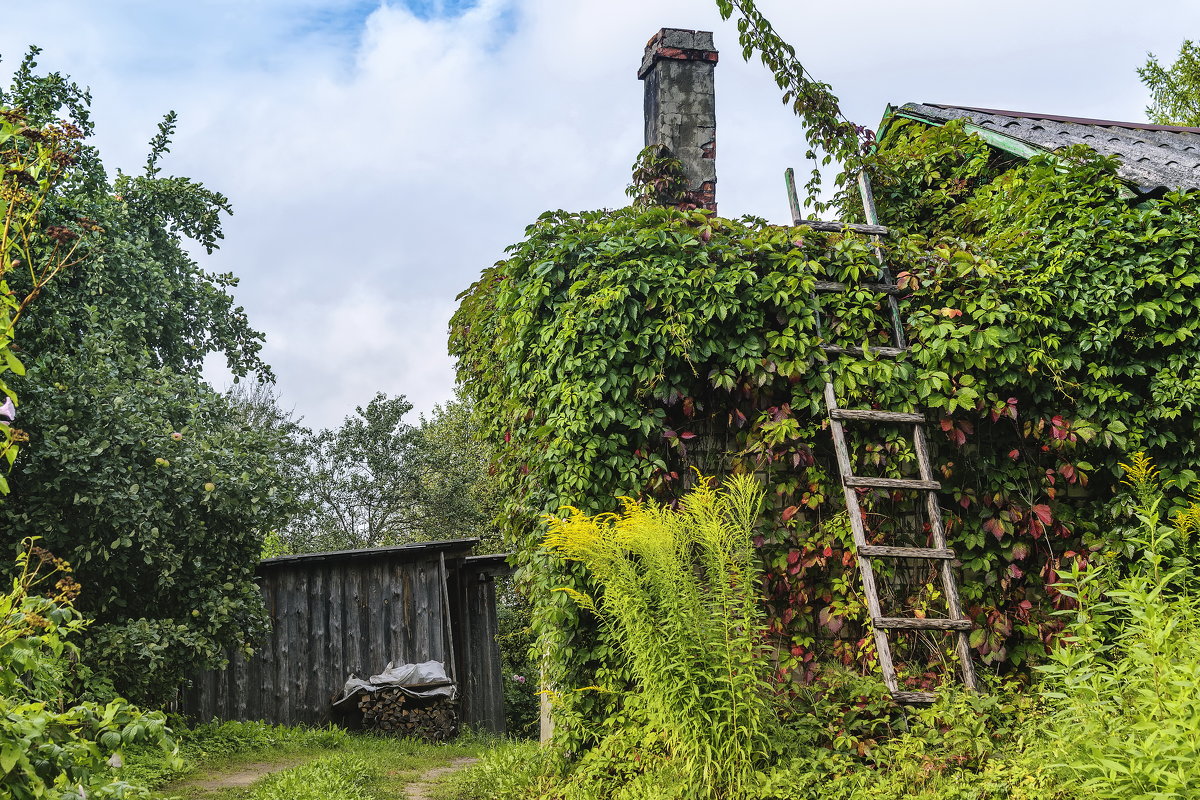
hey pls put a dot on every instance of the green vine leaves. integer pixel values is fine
(828, 130)
(32, 159)
(1053, 328)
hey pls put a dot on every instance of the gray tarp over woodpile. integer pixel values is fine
(426, 680)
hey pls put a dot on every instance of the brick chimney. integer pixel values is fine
(681, 108)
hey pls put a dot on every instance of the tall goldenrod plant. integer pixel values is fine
(678, 593)
(1125, 683)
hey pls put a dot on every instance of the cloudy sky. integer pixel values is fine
(380, 154)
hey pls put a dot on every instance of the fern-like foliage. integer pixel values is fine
(679, 596)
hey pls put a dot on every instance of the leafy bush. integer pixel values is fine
(1126, 680)
(51, 746)
(1112, 716)
(519, 670)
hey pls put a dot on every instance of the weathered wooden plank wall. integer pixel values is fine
(340, 613)
(476, 649)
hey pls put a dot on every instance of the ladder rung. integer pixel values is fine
(838, 227)
(941, 554)
(890, 483)
(915, 624)
(871, 415)
(914, 698)
(835, 286)
(889, 352)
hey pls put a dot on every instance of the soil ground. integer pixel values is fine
(419, 790)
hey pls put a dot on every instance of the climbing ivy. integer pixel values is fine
(831, 136)
(1053, 326)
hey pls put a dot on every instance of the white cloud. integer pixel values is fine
(377, 161)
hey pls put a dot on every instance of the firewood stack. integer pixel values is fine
(392, 711)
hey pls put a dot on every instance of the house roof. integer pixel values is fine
(1152, 156)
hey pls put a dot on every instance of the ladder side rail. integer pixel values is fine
(866, 570)
(885, 274)
(933, 512)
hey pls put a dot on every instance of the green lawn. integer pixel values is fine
(251, 761)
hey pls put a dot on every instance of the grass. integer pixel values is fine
(276, 762)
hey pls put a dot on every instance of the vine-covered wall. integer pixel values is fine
(1053, 327)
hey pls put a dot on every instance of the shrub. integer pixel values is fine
(51, 746)
(1126, 681)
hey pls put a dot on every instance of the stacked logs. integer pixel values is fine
(392, 711)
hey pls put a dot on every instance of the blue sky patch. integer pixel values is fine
(438, 9)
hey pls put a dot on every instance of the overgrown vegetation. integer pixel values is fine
(33, 158)
(53, 745)
(679, 598)
(156, 488)
(1111, 713)
(292, 763)
(215, 745)
(1053, 330)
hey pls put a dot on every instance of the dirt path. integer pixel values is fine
(237, 778)
(419, 790)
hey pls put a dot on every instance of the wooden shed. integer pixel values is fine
(353, 611)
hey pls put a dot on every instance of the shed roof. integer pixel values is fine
(451, 547)
(1152, 156)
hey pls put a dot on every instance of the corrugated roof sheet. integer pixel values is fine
(1151, 155)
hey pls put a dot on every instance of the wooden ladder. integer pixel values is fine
(924, 485)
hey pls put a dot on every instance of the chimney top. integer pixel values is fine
(678, 43)
(677, 69)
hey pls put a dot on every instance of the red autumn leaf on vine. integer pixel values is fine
(507, 437)
(1014, 454)
(830, 621)
(1015, 572)
(995, 527)
(1020, 551)
(1042, 512)
(790, 512)
(687, 435)
(1059, 428)
(950, 312)
(793, 556)
(669, 434)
